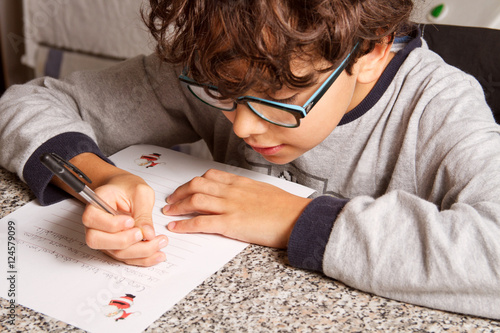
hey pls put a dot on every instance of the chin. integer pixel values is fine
(278, 159)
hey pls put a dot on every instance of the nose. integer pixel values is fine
(246, 123)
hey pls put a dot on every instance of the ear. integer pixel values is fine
(372, 65)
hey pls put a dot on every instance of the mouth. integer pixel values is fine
(268, 151)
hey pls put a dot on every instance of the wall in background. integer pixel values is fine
(12, 43)
(475, 13)
(2, 84)
(483, 13)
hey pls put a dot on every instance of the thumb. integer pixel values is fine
(142, 211)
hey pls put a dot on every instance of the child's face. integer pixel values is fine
(281, 145)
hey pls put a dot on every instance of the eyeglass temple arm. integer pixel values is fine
(326, 85)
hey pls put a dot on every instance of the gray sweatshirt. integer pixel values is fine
(408, 189)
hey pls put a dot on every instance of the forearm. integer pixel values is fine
(116, 107)
(30, 115)
(66, 145)
(402, 247)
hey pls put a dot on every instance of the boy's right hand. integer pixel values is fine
(128, 237)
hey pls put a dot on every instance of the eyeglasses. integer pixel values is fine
(277, 113)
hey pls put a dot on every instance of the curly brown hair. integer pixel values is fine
(239, 45)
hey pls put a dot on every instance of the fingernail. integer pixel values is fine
(165, 209)
(148, 231)
(167, 199)
(138, 236)
(163, 243)
(171, 226)
(129, 223)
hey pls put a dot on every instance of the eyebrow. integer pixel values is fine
(287, 100)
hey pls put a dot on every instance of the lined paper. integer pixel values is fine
(59, 275)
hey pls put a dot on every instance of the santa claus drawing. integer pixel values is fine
(117, 306)
(148, 160)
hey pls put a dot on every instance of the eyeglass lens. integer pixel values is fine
(273, 114)
(199, 92)
(267, 112)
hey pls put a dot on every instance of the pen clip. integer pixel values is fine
(63, 163)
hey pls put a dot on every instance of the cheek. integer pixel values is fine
(326, 115)
(334, 104)
(310, 133)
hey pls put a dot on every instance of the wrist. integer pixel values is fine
(98, 170)
(38, 177)
(95, 168)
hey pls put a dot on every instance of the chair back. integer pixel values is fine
(475, 51)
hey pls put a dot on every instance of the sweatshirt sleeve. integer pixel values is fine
(102, 111)
(311, 232)
(67, 145)
(432, 238)
(404, 247)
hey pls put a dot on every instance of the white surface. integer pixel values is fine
(473, 13)
(110, 28)
(53, 263)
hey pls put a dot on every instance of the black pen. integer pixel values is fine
(58, 166)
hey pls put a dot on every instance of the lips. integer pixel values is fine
(268, 151)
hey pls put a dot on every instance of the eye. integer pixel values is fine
(289, 100)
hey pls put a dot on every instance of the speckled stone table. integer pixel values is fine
(258, 292)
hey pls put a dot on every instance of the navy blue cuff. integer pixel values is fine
(311, 232)
(66, 145)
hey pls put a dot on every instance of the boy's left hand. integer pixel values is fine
(236, 207)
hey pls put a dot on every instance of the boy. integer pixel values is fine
(401, 148)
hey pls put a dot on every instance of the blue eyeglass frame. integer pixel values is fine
(297, 111)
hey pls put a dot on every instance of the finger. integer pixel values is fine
(217, 224)
(196, 203)
(219, 176)
(154, 259)
(97, 239)
(197, 185)
(207, 224)
(95, 218)
(141, 249)
(142, 210)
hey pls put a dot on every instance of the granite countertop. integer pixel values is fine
(258, 292)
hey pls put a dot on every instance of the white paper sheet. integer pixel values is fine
(57, 274)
